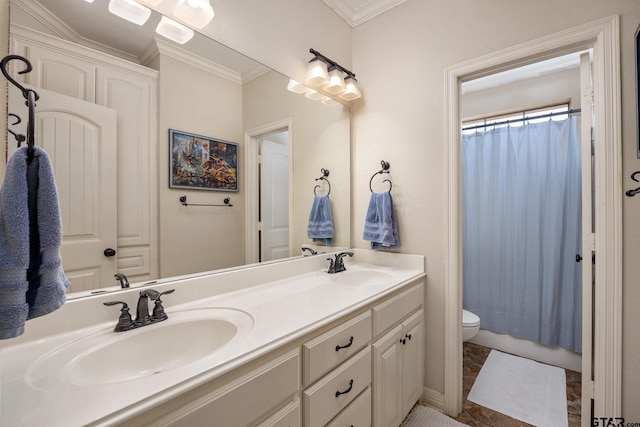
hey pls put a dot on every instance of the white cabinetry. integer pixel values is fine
(268, 387)
(131, 90)
(397, 357)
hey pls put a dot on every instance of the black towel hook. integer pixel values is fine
(30, 95)
(325, 174)
(631, 193)
(18, 136)
(385, 169)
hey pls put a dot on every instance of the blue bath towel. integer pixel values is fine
(32, 282)
(320, 227)
(380, 225)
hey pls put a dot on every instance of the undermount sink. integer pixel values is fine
(108, 357)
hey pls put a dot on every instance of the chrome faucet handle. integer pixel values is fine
(158, 309)
(125, 322)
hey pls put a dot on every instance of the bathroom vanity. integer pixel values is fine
(282, 344)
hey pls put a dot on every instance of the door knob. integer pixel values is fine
(578, 258)
(109, 252)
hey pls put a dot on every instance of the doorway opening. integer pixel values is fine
(268, 199)
(602, 395)
(522, 211)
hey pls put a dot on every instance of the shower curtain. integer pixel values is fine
(522, 231)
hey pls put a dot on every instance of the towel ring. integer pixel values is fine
(385, 169)
(325, 174)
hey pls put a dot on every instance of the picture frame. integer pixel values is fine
(637, 48)
(200, 162)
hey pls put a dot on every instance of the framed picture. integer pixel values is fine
(637, 43)
(202, 163)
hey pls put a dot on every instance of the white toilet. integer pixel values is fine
(470, 325)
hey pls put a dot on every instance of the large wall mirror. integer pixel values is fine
(81, 52)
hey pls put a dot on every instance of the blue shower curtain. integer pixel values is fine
(522, 231)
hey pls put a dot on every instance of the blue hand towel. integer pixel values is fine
(320, 227)
(32, 282)
(380, 225)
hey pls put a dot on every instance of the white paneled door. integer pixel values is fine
(80, 139)
(274, 200)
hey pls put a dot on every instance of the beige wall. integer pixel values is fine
(403, 123)
(197, 238)
(320, 140)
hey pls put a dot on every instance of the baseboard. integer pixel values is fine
(433, 398)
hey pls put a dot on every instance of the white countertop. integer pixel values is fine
(282, 310)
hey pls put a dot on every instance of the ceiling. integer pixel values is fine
(92, 25)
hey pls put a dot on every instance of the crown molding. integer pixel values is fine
(358, 15)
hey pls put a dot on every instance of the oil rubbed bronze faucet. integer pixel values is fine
(125, 322)
(338, 265)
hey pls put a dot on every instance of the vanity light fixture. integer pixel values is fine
(130, 10)
(332, 82)
(197, 13)
(174, 30)
(89, 1)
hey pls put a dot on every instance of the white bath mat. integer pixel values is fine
(424, 416)
(523, 389)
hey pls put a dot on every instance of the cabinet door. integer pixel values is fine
(387, 379)
(412, 361)
(289, 416)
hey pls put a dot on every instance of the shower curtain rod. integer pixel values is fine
(506, 122)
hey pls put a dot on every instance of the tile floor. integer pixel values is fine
(478, 416)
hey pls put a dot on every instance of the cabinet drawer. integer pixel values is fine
(357, 414)
(241, 402)
(325, 352)
(395, 309)
(325, 399)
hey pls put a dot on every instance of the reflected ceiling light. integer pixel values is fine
(130, 10)
(174, 30)
(352, 91)
(317, 74)
(329, 101)
(195, 12)
(296, 86)
(89, 1)
(313, 94)
(336, 82)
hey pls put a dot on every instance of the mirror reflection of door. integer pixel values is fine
(274, 196)
(78, 133)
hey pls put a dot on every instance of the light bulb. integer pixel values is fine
(313, 94)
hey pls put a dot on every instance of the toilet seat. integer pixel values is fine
(469, 319)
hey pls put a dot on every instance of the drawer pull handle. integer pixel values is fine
(403, 341)
(338, 347)
(408, 336)
(338, 393)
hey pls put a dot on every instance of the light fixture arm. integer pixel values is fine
(330, 63)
